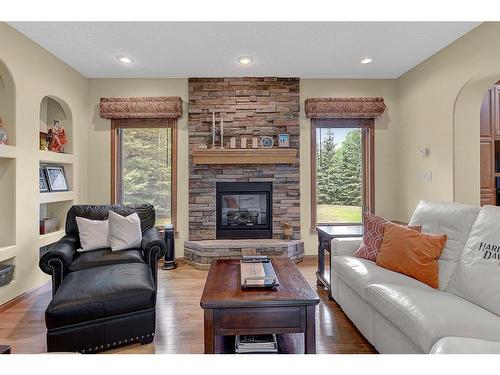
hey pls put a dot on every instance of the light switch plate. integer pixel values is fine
(424, 176)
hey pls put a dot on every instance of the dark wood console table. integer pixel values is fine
(325, 235)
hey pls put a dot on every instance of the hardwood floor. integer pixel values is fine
(179, 318)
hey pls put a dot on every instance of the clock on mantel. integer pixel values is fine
(245, 156)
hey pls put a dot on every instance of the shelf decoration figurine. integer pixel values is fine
(221, 133)
(56, 137)
(3, 133)
(213, 129)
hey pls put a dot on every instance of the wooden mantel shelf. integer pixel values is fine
(245, 156)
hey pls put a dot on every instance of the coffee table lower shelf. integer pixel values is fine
(291, 343)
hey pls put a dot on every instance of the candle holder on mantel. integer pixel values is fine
(213, 130)
(221, 133)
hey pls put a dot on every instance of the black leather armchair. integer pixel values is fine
(62, 258)
(102, 298)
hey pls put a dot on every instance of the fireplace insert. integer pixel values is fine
(244, 210)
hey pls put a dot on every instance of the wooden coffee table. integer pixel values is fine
(230, 310)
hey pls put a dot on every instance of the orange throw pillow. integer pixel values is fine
(411, 253)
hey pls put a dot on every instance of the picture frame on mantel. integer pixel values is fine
(283, 140)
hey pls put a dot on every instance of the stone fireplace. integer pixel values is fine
(262, 198)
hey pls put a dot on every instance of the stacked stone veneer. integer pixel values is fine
(251, 107)
(200, 254)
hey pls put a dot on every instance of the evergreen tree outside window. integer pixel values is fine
(342, 186)
(144, 166)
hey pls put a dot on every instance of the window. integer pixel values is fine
(144, 165)
(341, 170)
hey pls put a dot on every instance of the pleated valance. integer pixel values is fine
(363, 107)
(141, 107)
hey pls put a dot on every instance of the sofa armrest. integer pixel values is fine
(345, 246)
(153, 248)
(153, 245)
(58, 258)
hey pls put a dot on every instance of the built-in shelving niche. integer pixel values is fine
(8, 161)
(51, 109)
(8, 104)
(56, 210)
(8, 210)
(7, 202)
(12, 261)
(56, 204)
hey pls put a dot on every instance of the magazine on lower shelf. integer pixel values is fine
(256, 344)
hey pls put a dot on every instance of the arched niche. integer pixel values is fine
(53, 108)
(8, 103)
(466, 124)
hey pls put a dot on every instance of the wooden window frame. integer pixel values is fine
(368, 149)
(116, 125)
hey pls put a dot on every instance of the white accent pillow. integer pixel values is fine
(124, 232)
(93, 234)
(477, 276)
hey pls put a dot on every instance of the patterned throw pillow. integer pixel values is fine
(373, 233)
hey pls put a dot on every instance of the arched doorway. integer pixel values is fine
(466, 134)
(489, 146)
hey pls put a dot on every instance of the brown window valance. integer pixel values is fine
(367, 107)
(141, 107)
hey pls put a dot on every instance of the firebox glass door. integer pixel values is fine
(244, 210)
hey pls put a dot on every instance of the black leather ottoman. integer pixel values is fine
(101, 308)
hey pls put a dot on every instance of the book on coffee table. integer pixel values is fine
(257, 272)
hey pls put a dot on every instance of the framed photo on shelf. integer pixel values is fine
(56, 178)
(283, 140)
(42, 178)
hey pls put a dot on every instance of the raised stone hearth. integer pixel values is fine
(200, 254)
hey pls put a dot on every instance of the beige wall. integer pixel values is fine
(386, 161)
(439, 103)
(37, 73)
(99, 133)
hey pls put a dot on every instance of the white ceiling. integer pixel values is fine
(210, 49)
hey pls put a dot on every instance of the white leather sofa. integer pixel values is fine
(398, 314)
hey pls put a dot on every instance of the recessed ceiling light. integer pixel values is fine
(245, 60)
(124, 59)
(366, 61)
